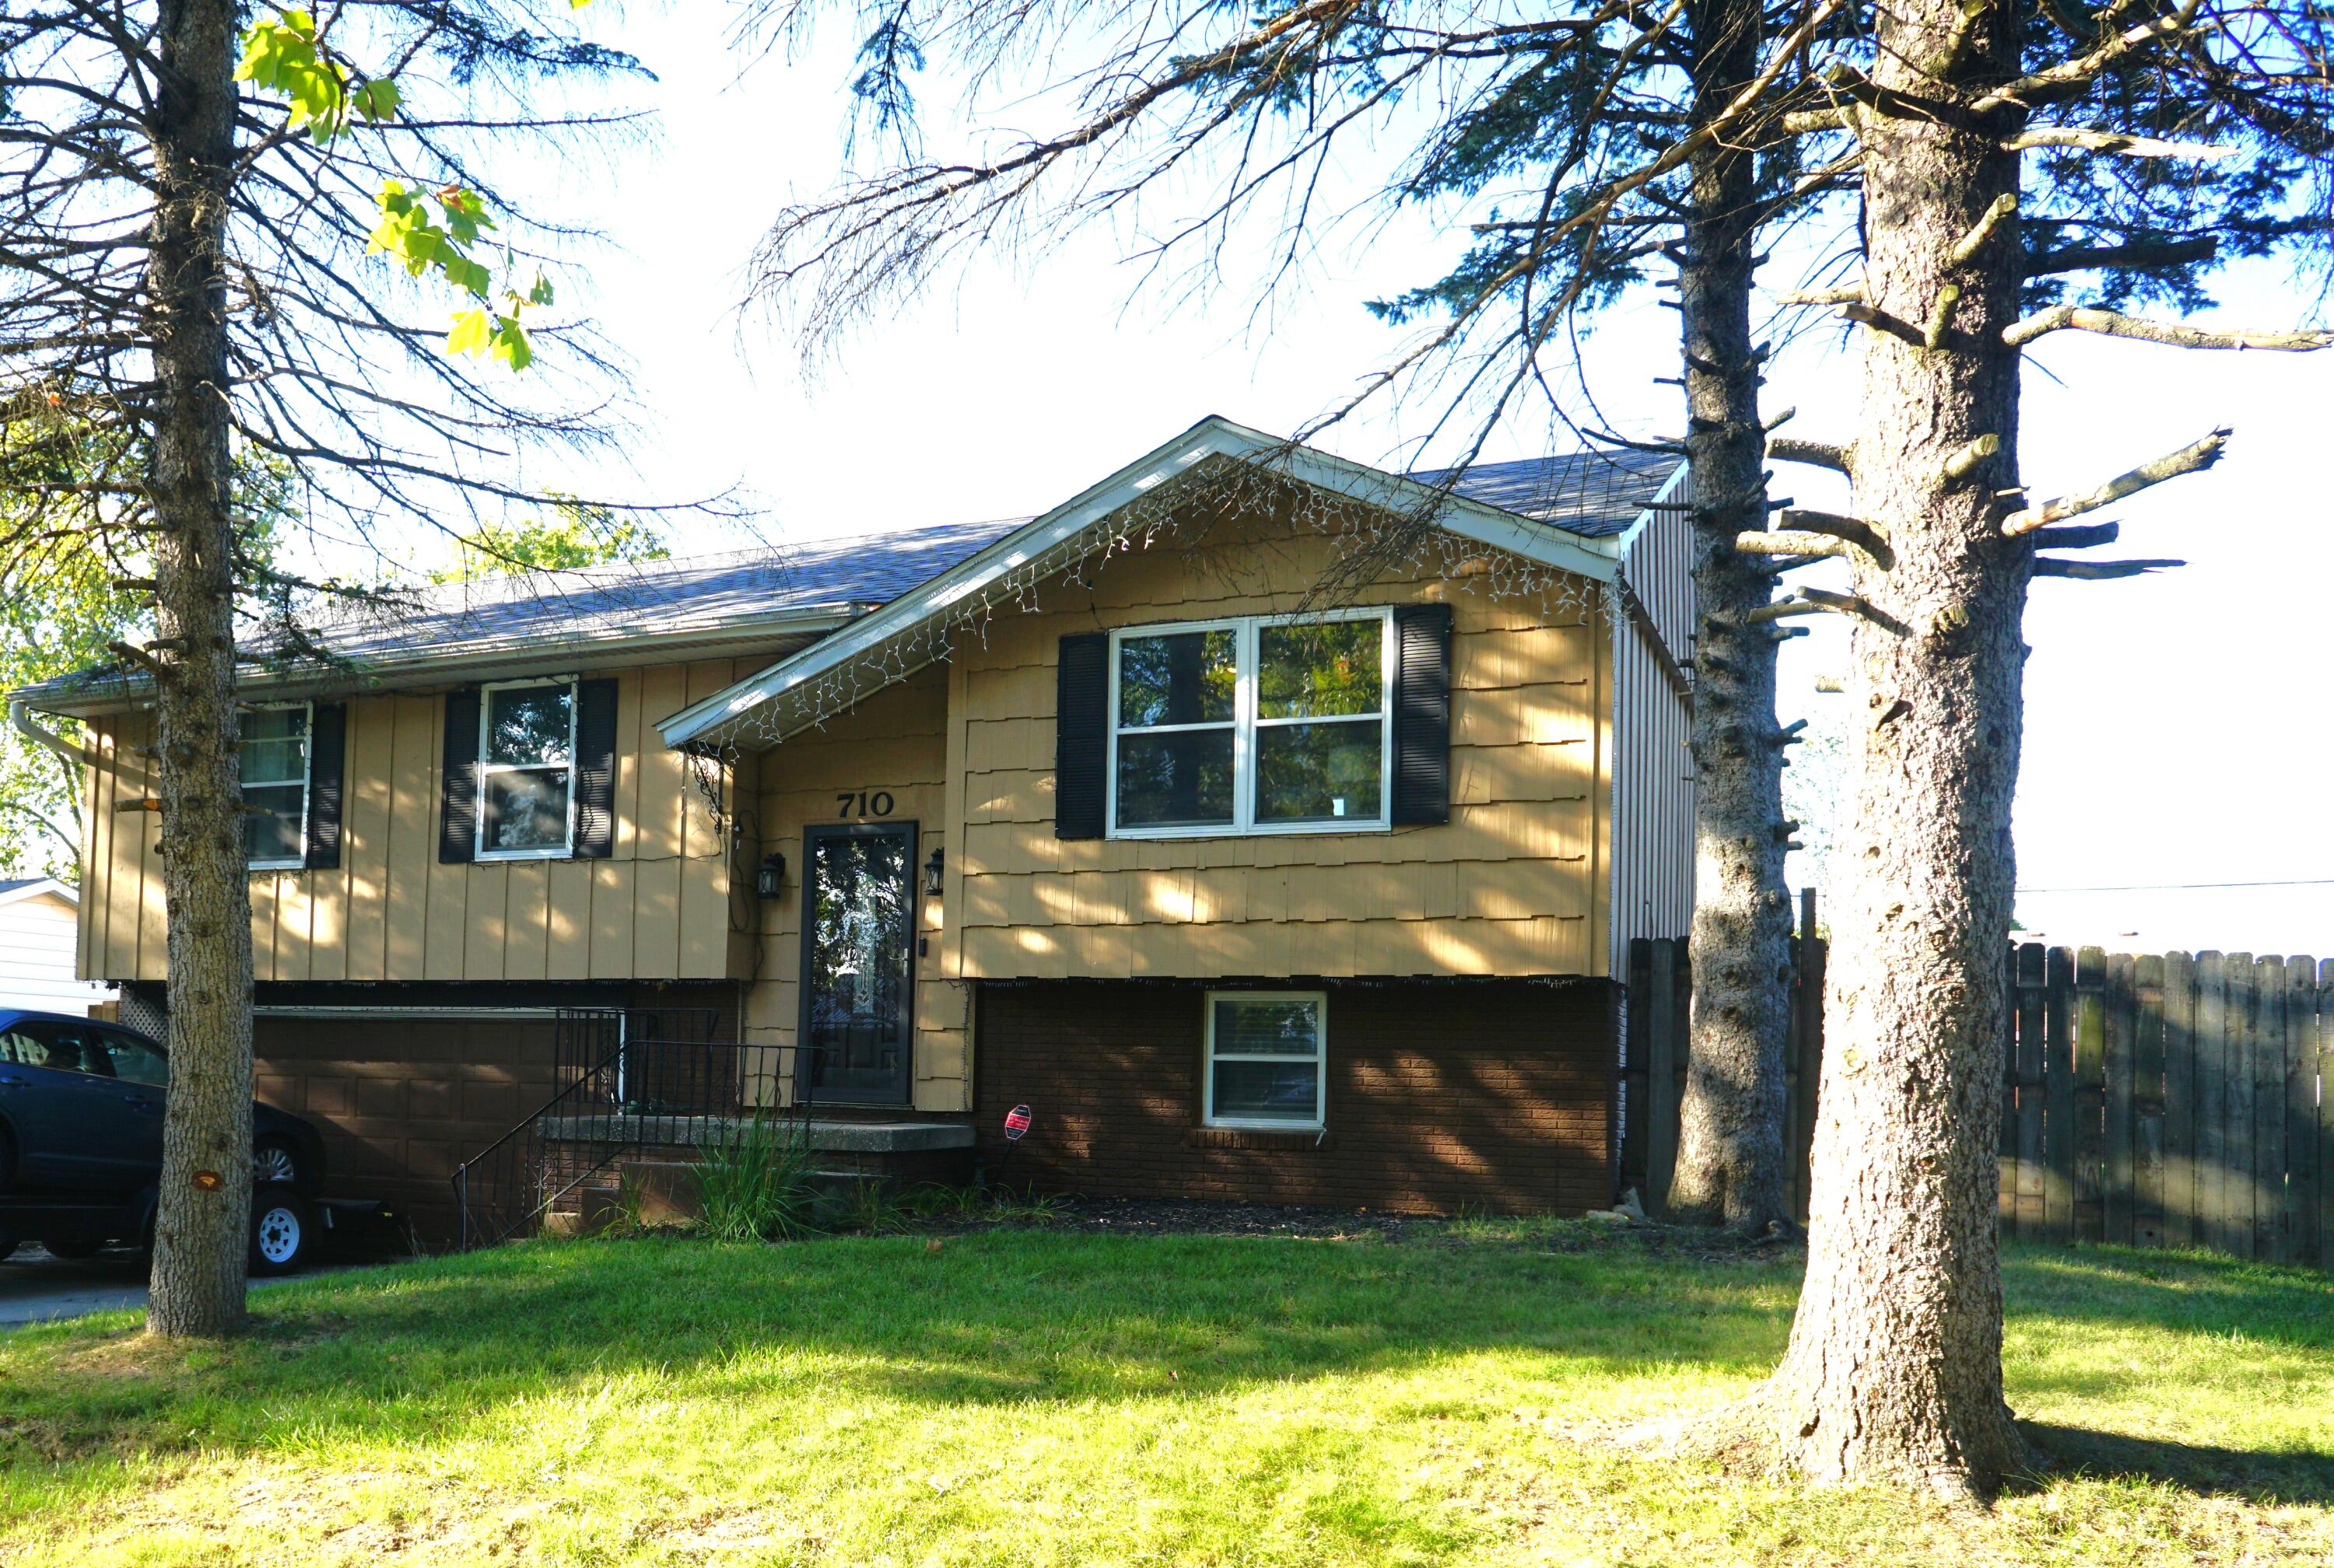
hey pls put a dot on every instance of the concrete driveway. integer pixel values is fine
(36, 1288)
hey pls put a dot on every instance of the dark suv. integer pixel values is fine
(81, 1142)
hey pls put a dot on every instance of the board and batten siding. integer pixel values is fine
(1517, 883)
(894, 741)
(1652, 760)
(659, 908)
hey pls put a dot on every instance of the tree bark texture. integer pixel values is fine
(1729, 1167)
(200, 1237)
(1894, 1367)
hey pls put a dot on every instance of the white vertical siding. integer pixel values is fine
(1653, 768)
(38, 945)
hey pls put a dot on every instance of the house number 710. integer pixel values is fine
(863, 804)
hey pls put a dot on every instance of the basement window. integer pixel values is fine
(1266, 1060)
(526, 750)
(272, 746)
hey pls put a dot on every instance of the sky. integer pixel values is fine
(2177, 731)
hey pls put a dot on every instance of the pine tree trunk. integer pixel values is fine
(1895, 1362)
(1730, 1159)
(200, 1238)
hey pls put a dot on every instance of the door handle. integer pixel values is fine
(11, 1083)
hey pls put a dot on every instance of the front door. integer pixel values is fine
(859, 919)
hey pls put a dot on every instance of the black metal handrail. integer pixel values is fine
(642, 1088)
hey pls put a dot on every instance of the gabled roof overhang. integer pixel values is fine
(898, 639)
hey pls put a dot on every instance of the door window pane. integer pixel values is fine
(527, 809)
(1318, 772)
(1175, 778)
(273, 748)
(1324, 669)
(528, 724)
(861, 902)
(1185, 678)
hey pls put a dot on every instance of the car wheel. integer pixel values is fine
(74, 1247)
(283, 1233)
(272, 1161)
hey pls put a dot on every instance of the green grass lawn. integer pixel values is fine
(1036, 1397)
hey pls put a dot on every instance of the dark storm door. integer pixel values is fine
(859, 919)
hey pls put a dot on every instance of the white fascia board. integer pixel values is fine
(1212, 437)
(46, 887)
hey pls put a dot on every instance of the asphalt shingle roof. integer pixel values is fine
(547, 613)
(1594, 495)
(697, 593)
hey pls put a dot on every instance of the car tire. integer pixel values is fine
(283, 1229)
(275, 1160)
(72, 1248)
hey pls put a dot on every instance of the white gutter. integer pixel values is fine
(19, 720)
(1596, 559)
(518, 660)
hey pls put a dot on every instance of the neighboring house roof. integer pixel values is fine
(15, 889)
(699, 606)
(1591, 503)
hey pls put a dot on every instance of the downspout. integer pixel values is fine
(21, 720)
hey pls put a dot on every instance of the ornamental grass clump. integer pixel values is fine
(756, 1185)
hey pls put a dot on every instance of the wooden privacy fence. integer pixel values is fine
(2155, 1100)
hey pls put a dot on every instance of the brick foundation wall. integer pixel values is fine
(1486, 1094)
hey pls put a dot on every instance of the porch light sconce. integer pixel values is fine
(933, 869)
(770, 877)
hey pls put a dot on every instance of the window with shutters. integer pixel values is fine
(526, 776)
(1265, 723)
(272, 743)
(1266, 1055)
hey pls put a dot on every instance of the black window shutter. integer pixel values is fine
(1421, 713)
(327, 748)
(1081, 748)
(595, 769)
(457, 815)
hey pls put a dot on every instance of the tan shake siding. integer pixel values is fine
(658, 909)
(1513, 885)
(895, 741)
(1652, 814)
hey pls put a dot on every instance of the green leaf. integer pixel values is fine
(377, 99)
(465, 273)
(540, 295)
(511, 344)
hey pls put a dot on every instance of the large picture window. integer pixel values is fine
(527, 752)
(1259, 725)
(1266, 1059)
(272, 744)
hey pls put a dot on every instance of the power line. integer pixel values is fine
(2186, 887)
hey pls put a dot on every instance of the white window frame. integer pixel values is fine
(1207, 1117)
(1247, 639)
(484, 769)
(307, 711)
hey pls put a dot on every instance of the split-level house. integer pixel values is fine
(1265, 826)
